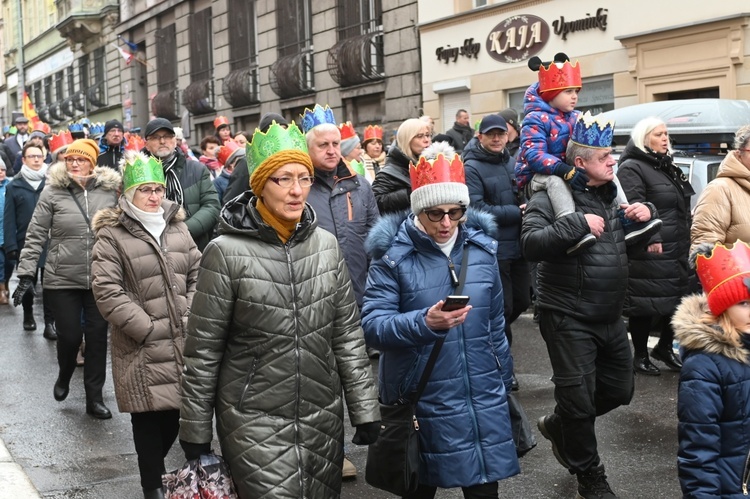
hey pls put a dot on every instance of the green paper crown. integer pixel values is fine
(138, 169)
(276, 139)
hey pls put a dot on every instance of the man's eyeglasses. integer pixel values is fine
(494, 134)
(160, 138)
(74, 161)
(148, 191)
(421, 136)
(34, 156)
(288, 182)
(454, 214)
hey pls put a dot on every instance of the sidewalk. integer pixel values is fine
(16, 484)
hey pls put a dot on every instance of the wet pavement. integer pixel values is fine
(68, 454)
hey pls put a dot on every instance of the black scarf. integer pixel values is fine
(174, 188)
(665, 164)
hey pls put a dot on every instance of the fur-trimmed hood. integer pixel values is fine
(106, 178)
(696, 336)
(383, 235)
(112, 217)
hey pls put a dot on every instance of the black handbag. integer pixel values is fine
(393, 460)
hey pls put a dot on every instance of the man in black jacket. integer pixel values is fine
(580, 303)
(461, 133)
(111, 145)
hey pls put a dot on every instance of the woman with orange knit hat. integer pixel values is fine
(75, 190)
(713, 402)
(273, 337)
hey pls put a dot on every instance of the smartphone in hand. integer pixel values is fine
(454, 302)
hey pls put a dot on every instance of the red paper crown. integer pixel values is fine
(436, 171)
(220, 121)
(558, 78)
(722, 275)
(42, 127)
(373, 132)
(347, 130)
(60, 140)
(134, 142)
(226, 150)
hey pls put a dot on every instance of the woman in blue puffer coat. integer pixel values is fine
(465, 432)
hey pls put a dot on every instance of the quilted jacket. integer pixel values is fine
(713, 404)
(143, 287)
(58, 219)
(273, 339)
(465, 434)
(544, 136)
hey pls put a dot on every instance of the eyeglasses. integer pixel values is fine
(160, 138)
(34, 156)
(496, 134)
(421, 136)
(74, 161)
(147, 191)
(454, 214)
(288, 182)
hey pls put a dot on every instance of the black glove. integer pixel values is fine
(367, 433)
(576, 178)
(194, 451)
(11, 255)
(24, 284)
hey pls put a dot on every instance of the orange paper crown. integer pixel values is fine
(558, 78)
(436, 171)
(723, 275)
(220, 121)
(347, 130)
(226, 150)
(134, 142)
(60, 140)
(373, 132)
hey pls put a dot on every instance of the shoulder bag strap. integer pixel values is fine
(439, 343)
(83, 212)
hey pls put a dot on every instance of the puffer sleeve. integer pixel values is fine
(207, 333)
(348, 344)
(712, 215)
(37, 234)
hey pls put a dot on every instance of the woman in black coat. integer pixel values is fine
(658, 269)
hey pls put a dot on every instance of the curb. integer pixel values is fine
(16, 483)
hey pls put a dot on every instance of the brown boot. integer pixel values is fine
(3, 294)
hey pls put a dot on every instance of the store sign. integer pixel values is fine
(599, 21)
(450, 54)
(517, 38)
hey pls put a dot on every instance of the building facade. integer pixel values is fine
(475, 53)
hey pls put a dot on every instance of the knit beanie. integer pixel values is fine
(348, 145)
(724, 274)
(87, 148)
(272, 163)
(551, 94)
(112, 124)
(438, 179)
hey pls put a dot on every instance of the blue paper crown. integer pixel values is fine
(75, 127)
(317, 116)
(590, 132)
(96, 128)
(85, 122)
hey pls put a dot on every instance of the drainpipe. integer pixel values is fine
(19, 56)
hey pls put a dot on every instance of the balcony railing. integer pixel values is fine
(56, 111)
(198, 97)
(97, 94)
(357, 60)
(166, 104)
(241, 87)
(292, 76)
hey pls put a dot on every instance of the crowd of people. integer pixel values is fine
(246, 285)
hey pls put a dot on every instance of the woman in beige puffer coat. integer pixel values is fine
(145, 267)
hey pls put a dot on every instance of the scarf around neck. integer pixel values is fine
(174, 188)
(284, 228)
(33, 177)
(153, 222)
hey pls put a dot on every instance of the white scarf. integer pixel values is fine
(153, 222)
(33, 177)
(445, 247)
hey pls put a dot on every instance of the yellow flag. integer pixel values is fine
(29, 111)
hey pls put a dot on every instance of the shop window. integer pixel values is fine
(450, 104)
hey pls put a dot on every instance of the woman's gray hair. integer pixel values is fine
(742, 137)
(644, 127)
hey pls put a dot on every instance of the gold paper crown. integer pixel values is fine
(276, 139)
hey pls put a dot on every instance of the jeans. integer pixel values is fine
(154, 432)
(481, 491)
(593, 374)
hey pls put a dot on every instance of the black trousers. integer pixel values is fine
(592, 368)
(27, 301)
(516, 279)
(481, 491)
(640, 328)
(67, 306)
(153, 434)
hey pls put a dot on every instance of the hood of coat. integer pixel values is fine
(384, 234)
(106, 178)
(240, 217)
(533, 102)
(112, 217)
(475, 151)
(693, 334)
(733, 168)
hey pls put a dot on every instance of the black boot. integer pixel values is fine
(98, 410)
(29, 324)
(153, 494)
(667, 355)
(50, 332)
(643, 365)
